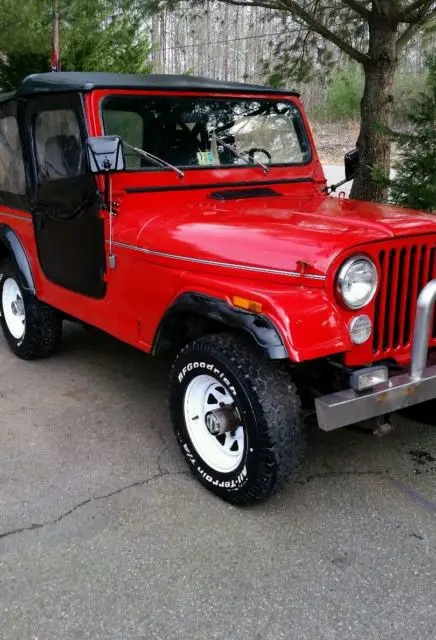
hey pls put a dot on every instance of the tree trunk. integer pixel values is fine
(155, 34)
(377, 109)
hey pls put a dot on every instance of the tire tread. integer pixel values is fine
(43, 325)
(277, 407)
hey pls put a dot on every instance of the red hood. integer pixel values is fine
(274, 233)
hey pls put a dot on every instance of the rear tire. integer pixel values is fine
(266, 445)
(32, 329)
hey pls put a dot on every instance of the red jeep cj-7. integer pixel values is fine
(192, 216)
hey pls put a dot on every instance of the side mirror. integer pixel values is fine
(105, 154)
(352, 164)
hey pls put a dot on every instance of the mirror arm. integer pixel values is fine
(106, 167)
(333, 187)
(105, 203)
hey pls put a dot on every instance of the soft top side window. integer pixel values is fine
(12, 175)
(58, 145)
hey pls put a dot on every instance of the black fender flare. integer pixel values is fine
(260, 327)
(17, 254)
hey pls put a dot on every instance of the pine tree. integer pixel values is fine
(415, 182)
(98, 35)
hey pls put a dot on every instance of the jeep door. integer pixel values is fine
(65, 206)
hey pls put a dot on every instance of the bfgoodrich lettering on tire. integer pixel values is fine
(31, 328)
(237, 418)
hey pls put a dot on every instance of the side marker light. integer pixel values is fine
(248, 305)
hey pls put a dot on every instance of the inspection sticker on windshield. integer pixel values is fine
(205, 157)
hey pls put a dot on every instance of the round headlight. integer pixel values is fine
(357, 282)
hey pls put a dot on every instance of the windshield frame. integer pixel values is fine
(216, 97)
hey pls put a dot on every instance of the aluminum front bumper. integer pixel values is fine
(348, 407)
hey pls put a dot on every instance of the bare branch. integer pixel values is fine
(358, 7)
(309, 19)
(315, 25)
(412, 29)
(415, 10)
(257, 3)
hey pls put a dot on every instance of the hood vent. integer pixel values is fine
(238, 194)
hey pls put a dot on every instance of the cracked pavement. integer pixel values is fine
(104, 533)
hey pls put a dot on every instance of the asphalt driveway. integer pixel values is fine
(103, 534)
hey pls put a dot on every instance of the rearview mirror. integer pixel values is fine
(352, 164)
(105, 154)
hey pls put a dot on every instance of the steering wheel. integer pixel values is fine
(251, 152)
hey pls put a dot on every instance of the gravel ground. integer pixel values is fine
(104, 535)
(334, 140)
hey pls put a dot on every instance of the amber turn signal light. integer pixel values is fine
(248, 305)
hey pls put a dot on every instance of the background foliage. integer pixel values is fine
(415, 181)
(99, 35)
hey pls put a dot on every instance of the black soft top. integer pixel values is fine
(87, 81)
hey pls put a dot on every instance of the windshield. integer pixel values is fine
(190, 131)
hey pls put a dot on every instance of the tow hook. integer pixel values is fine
(384, 426)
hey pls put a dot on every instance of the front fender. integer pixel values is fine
(310, 325)
(297, 323)
(260, 327)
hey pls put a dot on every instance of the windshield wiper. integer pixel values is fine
(240, 155)
(158, 162)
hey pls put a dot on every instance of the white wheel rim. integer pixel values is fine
(222, 453)
(13, 308)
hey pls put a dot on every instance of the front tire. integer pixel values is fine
(32, 329)
(221, 382)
